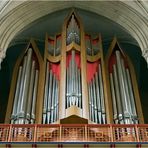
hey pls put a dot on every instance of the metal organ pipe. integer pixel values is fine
(90, 110)
(15, 104)
(21, 90)
(127, 91)
(122, 93)
(46, 93)
(26, 91)
(51, 101)
(49, 97)
(79, 89)
(30, 93)
(73, 31)
(73, 88)
(134, 113)
(34, 97)
(67, 87)
(114, 99)
(122, 90)
(117, 93)
(25, 88)
(102, 95)
(94, 100)
(98, 99)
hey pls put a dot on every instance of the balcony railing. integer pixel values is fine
(35, 133)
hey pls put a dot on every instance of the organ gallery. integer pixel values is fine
(74, 79)
(74, 82)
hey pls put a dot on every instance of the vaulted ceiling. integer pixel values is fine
(18, 17)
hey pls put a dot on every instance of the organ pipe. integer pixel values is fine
(34, 97)
(49, 97)
(30, 93)
(15, 104)
(115, 113)
(50, 107)
(46, 93)
(26, 90)
(53, 99)
(134, 113)
(73, 31)
(127, 91)
(122, 90)
(21, 89)
(98, 99)
(122, 93)
(25, 87)
(92, 102)
(117, 92)
(102, 95)
(73, 82)
(79, 89)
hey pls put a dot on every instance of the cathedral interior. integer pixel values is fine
(73, 72)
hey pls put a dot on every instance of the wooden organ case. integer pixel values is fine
(73, 83)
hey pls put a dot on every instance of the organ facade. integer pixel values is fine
(74, 82)
(74, 78)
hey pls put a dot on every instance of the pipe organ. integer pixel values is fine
(122, 90)
(95, 80)
(74, 79)
(51, 95)
(23, 111)
(73, 31)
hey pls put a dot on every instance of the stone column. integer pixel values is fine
(145, 55)
(2, 56)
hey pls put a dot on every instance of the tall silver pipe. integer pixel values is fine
(67, 87)
(70, 82)
(25, 87)
(89, 93)
(127, 91)
(102, 95)
(98, 99)
(55, 102)
(117, 93)
(15, 104)
(34, 97)
(49, 96)
(122, 89)
(46, 93)
(92, 102)
(21, 89)
(113, 99)
(57, 106)
(134, 112)
(79, 88)
(95, 103)
(73, 76)
(53, 99)
(76, 86)
(30, 93)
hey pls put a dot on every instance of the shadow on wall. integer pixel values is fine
(143, 87)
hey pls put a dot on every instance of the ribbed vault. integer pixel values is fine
(16, 15)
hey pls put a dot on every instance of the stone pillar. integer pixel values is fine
(145, 55)
(2, 56)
